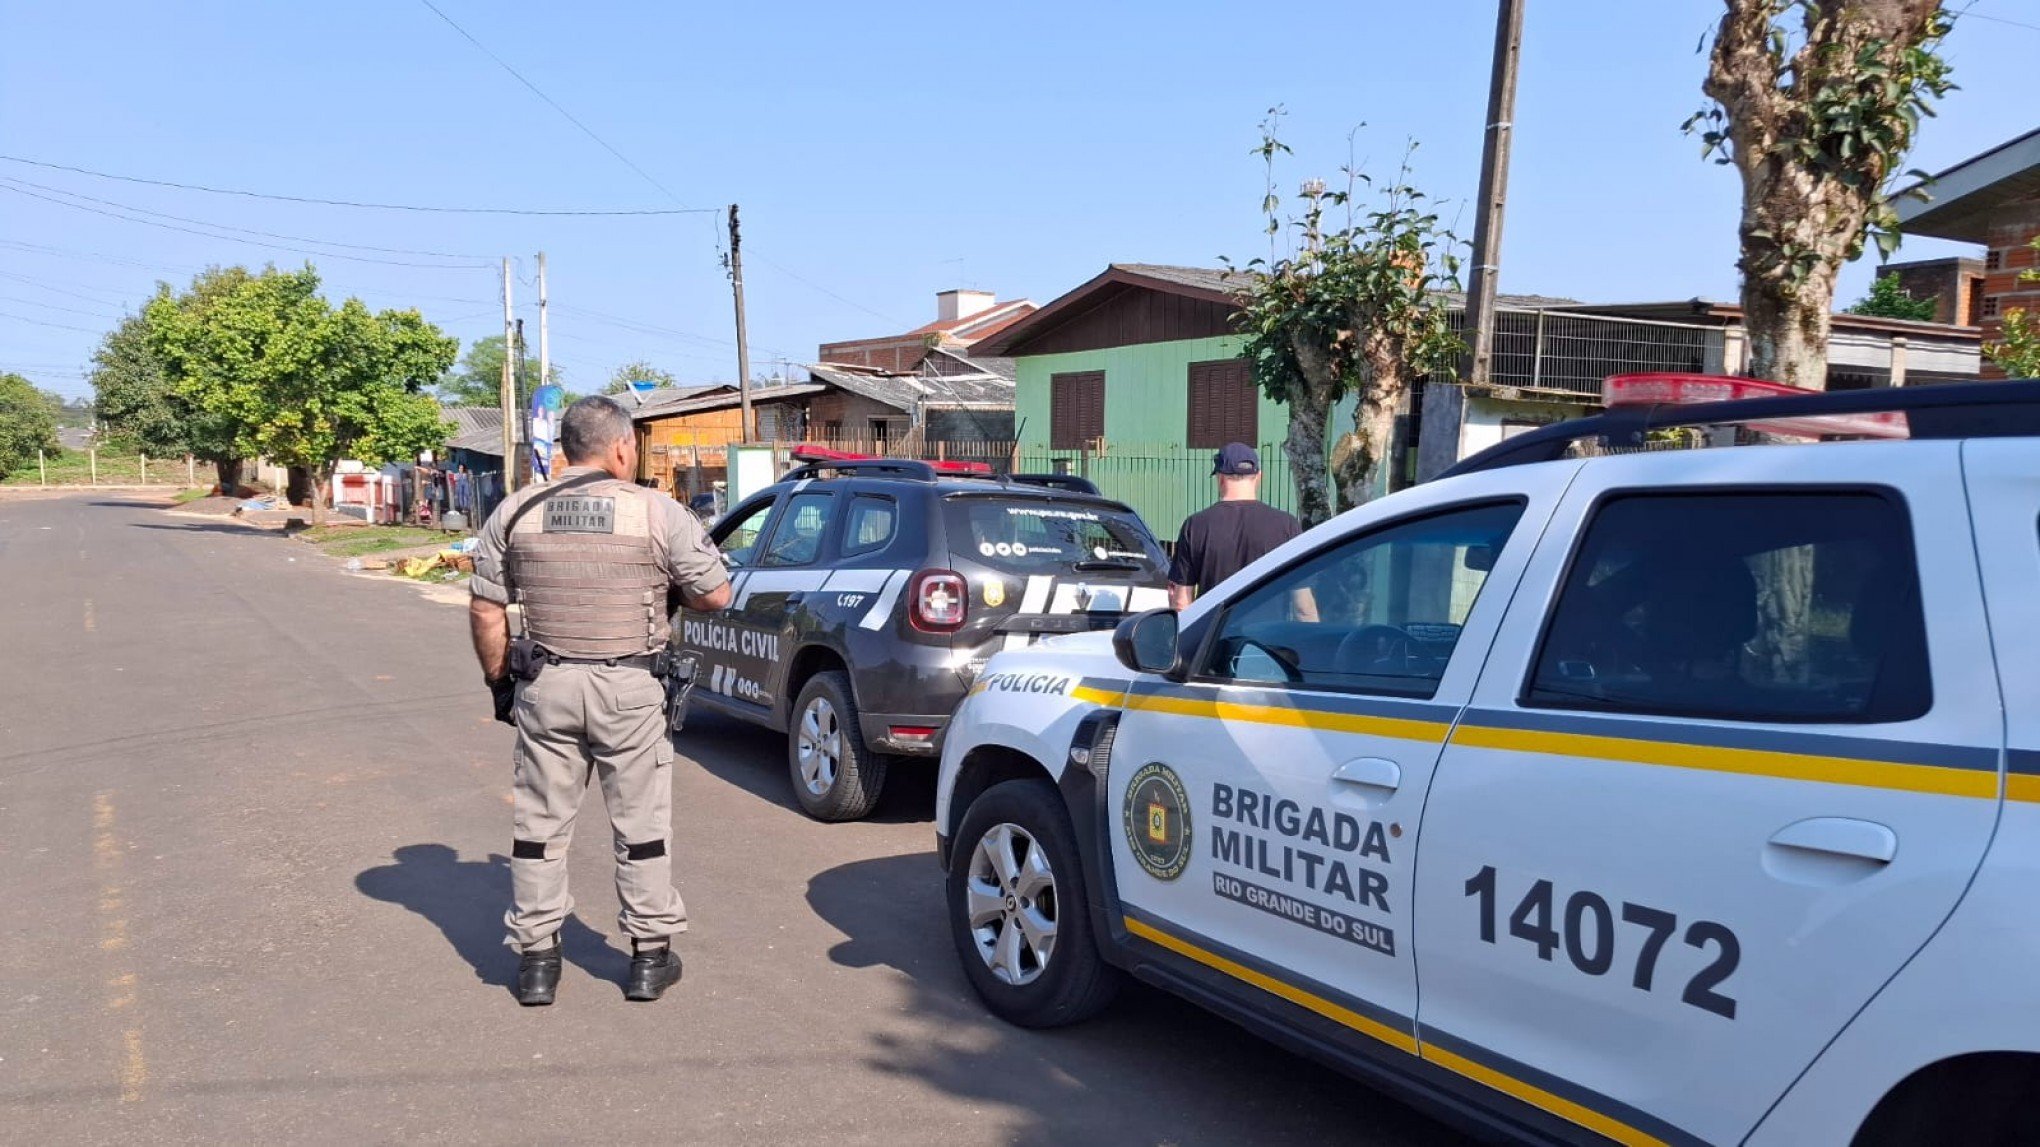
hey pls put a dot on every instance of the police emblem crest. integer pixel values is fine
(995, 593)
(1157, 821)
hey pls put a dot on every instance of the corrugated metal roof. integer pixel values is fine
(471, 419)
(723, 397)
(909, 391)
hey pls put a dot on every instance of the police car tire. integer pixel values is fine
(860, 773)
(1077, 983)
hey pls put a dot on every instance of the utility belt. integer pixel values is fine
(528, 659)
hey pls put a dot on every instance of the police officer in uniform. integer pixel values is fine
(589, 559)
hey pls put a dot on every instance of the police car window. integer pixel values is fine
(869, 524)
(1742, 607)
(1377, 614)
(1048, 535)
(740, 537)
(797, 539)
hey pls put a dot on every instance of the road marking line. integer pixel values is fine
(123, 987)
(135, 1071)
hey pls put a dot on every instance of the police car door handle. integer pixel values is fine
(1369, 772)
(1840, 836)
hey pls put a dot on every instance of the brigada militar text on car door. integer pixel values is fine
(869, 594)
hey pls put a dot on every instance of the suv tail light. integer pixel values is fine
(940, 599)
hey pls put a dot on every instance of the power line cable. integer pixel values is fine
(54, 307)
(46, 323)
(314, 200)
(553, 104)
(241, 230)
(8, 186)
(796, 277)
(56, 289)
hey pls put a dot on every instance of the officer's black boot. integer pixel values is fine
(538, 975)
(654, 967)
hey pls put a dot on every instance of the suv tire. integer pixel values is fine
(834, 776)
(1016, 881)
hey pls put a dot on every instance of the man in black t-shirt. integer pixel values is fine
(1227, 536)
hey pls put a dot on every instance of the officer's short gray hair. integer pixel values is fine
(590, 425)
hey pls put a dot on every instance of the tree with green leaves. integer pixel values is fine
(139, 402)
(1888, 299)
(636, 371)
(478, 379)
(1815, 103)
(1354, 309)
(26, 424)
(306, 384)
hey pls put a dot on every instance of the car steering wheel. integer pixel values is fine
(1376, 645)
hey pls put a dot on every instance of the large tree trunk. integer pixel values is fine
(322, 486)
(1800, 220)
(1367, 450)
(1310, 416)
(228, 471)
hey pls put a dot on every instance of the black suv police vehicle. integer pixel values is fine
(869, 593)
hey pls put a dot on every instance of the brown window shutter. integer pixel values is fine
(1224, 406)
(1076, 409)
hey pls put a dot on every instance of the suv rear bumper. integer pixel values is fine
(899, 733)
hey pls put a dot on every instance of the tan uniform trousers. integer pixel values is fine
(576, 723)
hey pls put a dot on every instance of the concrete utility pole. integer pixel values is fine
(1445, 406)
(743, 344)
(520, 393)
(544, 344)
(507, 395)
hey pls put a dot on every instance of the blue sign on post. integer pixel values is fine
(547, 403)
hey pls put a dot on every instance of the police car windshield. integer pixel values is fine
(1041, 535)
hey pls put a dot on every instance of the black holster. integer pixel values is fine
(503, 692)
(676, 672)
(527, 659)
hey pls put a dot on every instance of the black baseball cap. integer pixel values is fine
(1236, 459)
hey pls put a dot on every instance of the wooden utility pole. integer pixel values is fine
(520, 402)
(544, 344)
(743, 344)
(507, 396)
(1445, 406)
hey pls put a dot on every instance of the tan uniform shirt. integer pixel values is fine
(679, 544)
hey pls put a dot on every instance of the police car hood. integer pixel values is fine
(1096, 643)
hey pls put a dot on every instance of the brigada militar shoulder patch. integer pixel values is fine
(574, 514)
(1157, 819)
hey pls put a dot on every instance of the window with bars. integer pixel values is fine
(1076, 409)
(1993, 259)
(1224, 406)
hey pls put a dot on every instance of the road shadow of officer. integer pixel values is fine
(460, 898)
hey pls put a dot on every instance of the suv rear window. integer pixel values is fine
(1741, 607)
(1048, 535)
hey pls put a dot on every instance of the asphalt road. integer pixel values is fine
(253, 828)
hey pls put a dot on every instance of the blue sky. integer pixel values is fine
(880, 152)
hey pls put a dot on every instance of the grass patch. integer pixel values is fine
(191, 495)
(359, 541)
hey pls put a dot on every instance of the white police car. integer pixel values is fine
(1673, 797)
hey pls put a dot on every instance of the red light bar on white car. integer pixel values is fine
(1668, 388)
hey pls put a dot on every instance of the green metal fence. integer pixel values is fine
(1165, 483)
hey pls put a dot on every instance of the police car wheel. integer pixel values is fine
(835, 777)
(1018, 911)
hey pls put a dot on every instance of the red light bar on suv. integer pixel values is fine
(1668, 388)
(824, 454)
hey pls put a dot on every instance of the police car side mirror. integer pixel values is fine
(1149, 643)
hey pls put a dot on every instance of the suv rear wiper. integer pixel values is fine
(1109, 564)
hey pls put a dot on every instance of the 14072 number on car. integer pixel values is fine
(1587, 933)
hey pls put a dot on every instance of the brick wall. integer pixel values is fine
(1953, 284)
(894, 355)
(2008, 257)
